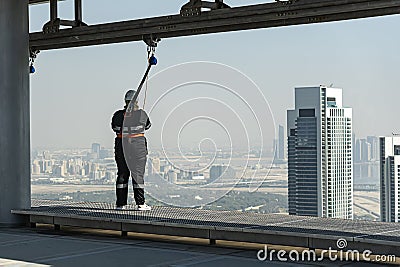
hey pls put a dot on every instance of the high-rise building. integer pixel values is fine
(366, 156)
(281, 143)
(320, 167)
(357, 151)
(46, 155)
(105, 153)
(153, 166)
(365, 151)
(390, 178)
(58, 171)
(35, 168)
(96, 149)
(48, 166)
(88, 168)
(221, 172)
(172, 176)
(374, 141)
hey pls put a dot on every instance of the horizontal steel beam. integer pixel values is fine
(34, 2)
(268, 15)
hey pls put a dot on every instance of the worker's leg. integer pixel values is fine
(122, 175)
(138, 169)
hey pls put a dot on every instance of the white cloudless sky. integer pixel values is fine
(75, 91)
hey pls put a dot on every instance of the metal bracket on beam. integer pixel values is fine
(151, 41)
(32, 57)
(33, 54)
(286, 2)
(55, 22)
(195, 7)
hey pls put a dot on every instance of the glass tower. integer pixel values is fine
(390, 178)
(320, 162)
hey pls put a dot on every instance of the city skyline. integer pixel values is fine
(50, 185)
(357, 56)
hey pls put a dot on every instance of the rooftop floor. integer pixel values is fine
(81, 247)
(218, 227)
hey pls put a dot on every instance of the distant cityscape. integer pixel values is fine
(77, 166)
(321, 167)
(90, 175)
(97, 166)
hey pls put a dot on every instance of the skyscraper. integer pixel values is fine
(374, 141)
(221, 172)
(281, 143)
(96, 149)
(153, 166)
(365, 150)
(172, 176)
(390, 178)
(320, 167)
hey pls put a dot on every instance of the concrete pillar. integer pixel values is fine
(15, 185)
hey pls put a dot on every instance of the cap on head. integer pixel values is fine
(129, 95)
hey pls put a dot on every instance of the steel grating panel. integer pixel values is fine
(234, 220)
(311, 231)
(338, 226)
(162, 214)
(393, 238)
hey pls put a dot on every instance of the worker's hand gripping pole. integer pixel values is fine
(152, 61)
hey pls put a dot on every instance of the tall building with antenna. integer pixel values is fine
(320, 163)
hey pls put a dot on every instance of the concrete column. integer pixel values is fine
(15, 185)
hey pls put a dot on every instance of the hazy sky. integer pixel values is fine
(75, 91)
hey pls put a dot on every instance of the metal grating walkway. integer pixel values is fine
(276, 229)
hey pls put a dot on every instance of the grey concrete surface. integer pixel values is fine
(276, 229)
(15, 187)
(45, 247)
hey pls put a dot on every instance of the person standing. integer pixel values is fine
(129, 124)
